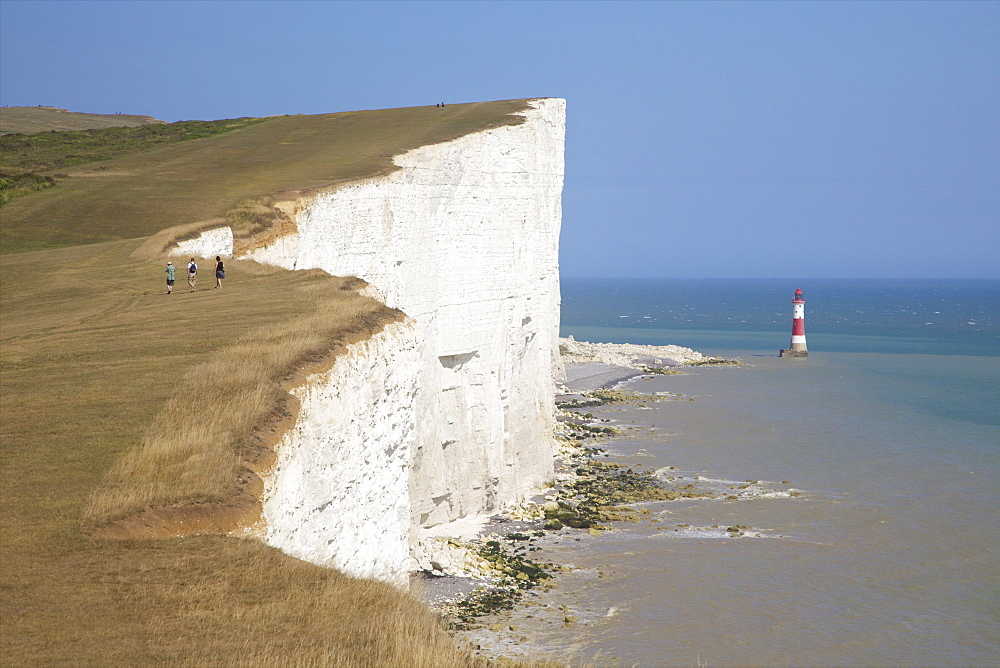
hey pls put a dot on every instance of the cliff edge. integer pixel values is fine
(449, 414)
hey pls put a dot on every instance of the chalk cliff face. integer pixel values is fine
(338, 493)
(217, 241)
(464, 240)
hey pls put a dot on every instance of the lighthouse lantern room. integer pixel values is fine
(798, 347)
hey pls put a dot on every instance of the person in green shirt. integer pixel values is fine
(171, 275)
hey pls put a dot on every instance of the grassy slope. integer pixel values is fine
(31, 162)
(135, 196)
(43, 119)
(49, 152)
(92, 351)
(89, 357)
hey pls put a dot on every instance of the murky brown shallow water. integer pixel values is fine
(888, 556)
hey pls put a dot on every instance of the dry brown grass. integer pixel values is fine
(42, 119)
(197, 444)
(158, 245)
(252, 215)
(275, 595)
(95, 360)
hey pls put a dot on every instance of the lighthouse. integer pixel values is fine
(798, 347)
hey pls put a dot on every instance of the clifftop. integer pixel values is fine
(137, 195)
(43, 119)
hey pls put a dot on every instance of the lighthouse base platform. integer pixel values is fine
(793, 353)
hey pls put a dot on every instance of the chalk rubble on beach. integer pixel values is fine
(590, 366)
(624, 354)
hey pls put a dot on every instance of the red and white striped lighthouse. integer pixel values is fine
(798, 347)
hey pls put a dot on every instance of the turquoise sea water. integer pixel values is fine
(939, 317)
(888, 434)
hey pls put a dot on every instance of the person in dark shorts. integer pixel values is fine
(171, 276)
(192, 273)
(220, 271)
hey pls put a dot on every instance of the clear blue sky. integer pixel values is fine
(704, 139)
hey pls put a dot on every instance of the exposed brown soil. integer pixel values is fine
(186, 520)
(282, 225)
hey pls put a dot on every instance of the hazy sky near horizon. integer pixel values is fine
(737, 139)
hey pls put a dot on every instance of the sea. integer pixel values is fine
(855, 516)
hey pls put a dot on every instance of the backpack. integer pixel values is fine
(192, 268)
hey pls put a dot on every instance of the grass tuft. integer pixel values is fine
(251, 216)
(18, 184)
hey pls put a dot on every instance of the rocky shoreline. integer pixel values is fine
(484, 566)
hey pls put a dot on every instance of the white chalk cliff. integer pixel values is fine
(450, 414)
(339, 492)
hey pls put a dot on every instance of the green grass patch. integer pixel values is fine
(53, 150)
(18, 184)
(23, 156)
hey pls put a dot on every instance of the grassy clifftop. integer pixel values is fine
(29, 162)
(137, 194)
(98, 365)
(44, 119)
